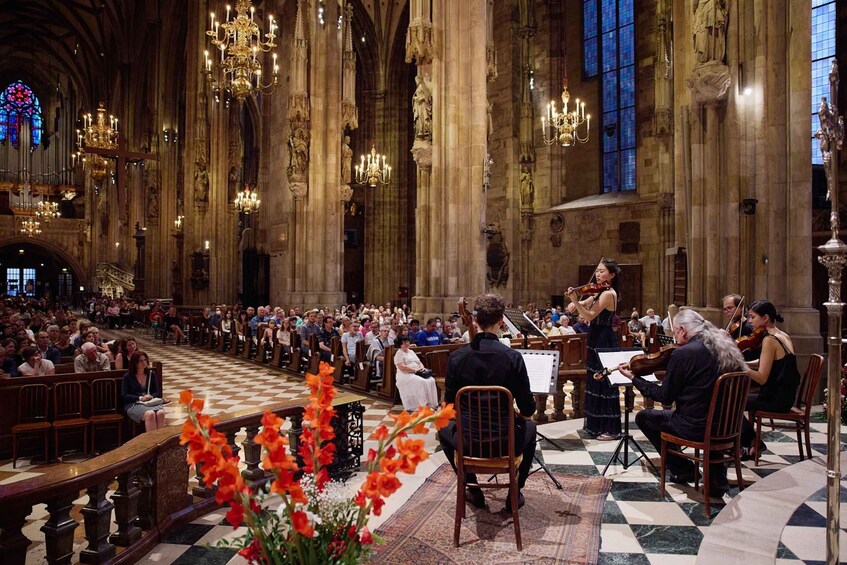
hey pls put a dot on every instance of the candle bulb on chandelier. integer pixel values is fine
(252, 11)
(212, 25)
(227, 12)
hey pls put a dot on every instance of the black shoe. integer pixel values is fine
(682, 478)
(521, 501)
(475, 497)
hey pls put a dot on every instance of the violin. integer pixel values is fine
(467, 319)
(591, 288)
(645, 364)
(735, 326)
(752, 341)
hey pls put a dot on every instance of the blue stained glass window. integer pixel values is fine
(589, 38)
(823, 50)
(617, 64)
(18, 104)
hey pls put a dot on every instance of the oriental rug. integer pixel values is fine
(557, 526)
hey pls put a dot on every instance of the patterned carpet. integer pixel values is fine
(557, 526)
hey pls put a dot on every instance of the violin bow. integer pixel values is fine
(734, 312)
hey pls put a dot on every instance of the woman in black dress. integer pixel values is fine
(602, 400)
(777, 372)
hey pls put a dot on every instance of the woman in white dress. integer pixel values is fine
(414, 390)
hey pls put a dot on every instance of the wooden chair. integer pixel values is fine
(67, 413)
(105, 412)
(437, 361)
(723, 432)
(32, 417)
(798, 417)
(479, 408)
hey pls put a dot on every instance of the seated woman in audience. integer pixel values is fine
(35, 366)
(283, 336)
(414, 390)
(777, 372)
(226, 327)
(10, 364)
(242, 326)
(268, 337)
(126, 347)
(140, 385)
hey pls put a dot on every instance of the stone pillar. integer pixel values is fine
(448, 209)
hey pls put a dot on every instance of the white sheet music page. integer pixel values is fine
(541, 365)
(611, 359)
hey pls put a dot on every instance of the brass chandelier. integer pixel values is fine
(247, 201)
(563, 127)
(30, 227)
(98, 135)
(372, 173)
(240, 44)
(46, 211)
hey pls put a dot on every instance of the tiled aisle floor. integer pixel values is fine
(638, 525)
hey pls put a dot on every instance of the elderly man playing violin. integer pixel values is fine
(704, 353)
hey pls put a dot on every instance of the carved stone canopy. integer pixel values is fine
(709, 83)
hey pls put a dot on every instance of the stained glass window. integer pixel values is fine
(614, 28)
(18, 104)
(823, 50)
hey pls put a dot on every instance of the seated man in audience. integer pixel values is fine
(309, 328)
(487, 362)
(7, 359)
(348, 347)
(414, 330)
(64, 345)
(376, 352)
(172, 324)
(53, 333)
(325, 336)
(581, 326)
(372, 334)
(90, 360)
(259, 318)
(429, 335)
(77, 338)
(448, 333)
(46, 349)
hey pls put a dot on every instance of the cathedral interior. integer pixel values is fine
(417, 151)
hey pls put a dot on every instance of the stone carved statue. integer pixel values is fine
(527, 189)
(709, 30)
(201, 181)
(232, 182)
(497, 258)
(422, 108)
(152, 202)
(346, 160)
(298, 153)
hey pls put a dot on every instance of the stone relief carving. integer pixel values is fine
(153, 204)
(346, 160)
(422, 108)
(419, 42)
(422, 153)
(201, 176)
(709, 30)
(709, 83)
(298, 153)
(345, 192)
(527, 190)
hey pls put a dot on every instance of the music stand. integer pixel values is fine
(542, 366)
(612, 358)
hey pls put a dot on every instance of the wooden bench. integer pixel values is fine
(9, 396)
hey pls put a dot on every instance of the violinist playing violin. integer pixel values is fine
(777, 373)
(737, 325)
(602, 400)
(704, 352)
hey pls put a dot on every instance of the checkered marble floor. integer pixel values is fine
(639, 526)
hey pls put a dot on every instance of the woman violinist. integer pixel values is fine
(602, 400)
(777, 372)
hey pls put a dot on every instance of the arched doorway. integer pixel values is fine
(39, 270)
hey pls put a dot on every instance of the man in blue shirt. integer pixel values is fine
(428, 335)
(259, 318)
(414, 330)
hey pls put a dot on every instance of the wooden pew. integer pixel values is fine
(296, 354)
(260, 346)
(362, 372)
(572, 356)
(337, 361)
(9, 397)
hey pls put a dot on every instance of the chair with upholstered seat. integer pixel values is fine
(798, 417)
(67, 413)
(33, 403)
(722, 441)
(105, 411)
(482, 447)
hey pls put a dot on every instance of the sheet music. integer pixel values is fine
(611, 359)
(542, 366)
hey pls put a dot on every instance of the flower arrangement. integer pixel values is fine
(318, 520)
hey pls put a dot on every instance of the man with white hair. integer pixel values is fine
(90, 360)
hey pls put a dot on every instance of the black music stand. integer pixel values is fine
(626, 438)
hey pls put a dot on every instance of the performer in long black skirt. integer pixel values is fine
(602, 401)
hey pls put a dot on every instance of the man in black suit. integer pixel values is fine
(487, 362)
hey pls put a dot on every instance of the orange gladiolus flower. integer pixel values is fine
(446, 414)
(380, 433)
(185, 397)
(388, 484)
(301, 524)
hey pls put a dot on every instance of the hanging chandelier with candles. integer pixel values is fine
(563, 127)
(99, 135)
(247, 201)
(240, 44)
(371, 173)
(46, 211)
(30, 227)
